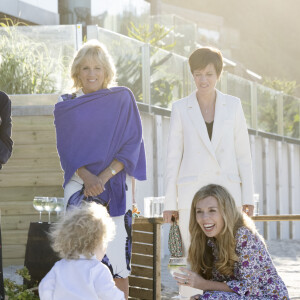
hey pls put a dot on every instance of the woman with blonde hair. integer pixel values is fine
(99, 141)
(80, 239)
(228, 257)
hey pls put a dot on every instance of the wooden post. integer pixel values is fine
(145, 278)
(156, 262)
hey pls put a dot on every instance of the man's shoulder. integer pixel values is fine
(5, 102)
(4, 97)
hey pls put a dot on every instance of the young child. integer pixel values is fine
(81, 239)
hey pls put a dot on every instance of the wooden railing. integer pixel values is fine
(266, 218)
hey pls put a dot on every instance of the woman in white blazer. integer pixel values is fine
(208, 143)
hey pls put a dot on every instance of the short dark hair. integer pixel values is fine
(202, 57)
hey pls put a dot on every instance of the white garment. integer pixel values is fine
(116, 250)
(79, 279)
(193, 160)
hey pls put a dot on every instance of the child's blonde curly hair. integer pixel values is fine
(81, 231)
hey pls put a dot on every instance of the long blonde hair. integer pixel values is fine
(200, 255)
(94, 50)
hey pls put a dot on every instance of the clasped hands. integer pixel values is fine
(93, 184)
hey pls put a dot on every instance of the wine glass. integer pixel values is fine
(38, 204)
(175, 263)
(50, 206)
(185, 291)
(60, 205)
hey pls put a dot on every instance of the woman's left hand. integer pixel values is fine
(190, 278)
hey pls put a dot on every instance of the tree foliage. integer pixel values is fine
(285, 86)
(153, 37)
(129, 66)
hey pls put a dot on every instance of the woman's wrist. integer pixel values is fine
(104, 176)
(203, 285)
(83, 173)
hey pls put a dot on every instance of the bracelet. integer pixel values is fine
(113, 171)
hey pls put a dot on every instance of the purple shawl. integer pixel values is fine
(94, 129)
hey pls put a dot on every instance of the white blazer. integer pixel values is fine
(193, 160)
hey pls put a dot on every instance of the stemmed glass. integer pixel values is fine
(50, 206)
(60, 205)
(175, 263)
(39, 205)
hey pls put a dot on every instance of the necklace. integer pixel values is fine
(209, 107)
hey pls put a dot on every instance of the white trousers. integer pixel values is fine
(116, 249)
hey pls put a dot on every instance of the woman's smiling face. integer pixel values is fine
(92, 75)
(209, 217)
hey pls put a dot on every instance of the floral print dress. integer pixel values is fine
(255, 276)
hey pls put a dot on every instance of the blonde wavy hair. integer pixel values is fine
(94, 50)
(200, 255)
(81, 231)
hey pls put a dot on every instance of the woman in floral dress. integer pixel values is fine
(228, 257)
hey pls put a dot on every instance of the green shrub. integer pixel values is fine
(14, 291)
(25, 65)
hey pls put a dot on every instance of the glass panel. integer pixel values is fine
(241, 88)
(167, 77)
(116, 15)
(291, 116)
(185, 33)
(267, 119)
(182, 36)
(36, 59)
(127, 55)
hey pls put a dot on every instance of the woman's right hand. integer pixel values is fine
(167, 215)
(93, 185)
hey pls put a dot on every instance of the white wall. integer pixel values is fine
(276, 167)
(50, 5)
(44, 12)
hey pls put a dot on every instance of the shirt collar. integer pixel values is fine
(82, 256)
